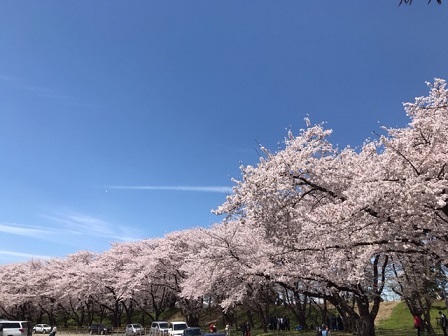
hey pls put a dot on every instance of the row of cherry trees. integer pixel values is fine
(316, 221)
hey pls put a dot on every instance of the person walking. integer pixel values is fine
(243, 329)
(417, 324)
(326, 331)
(53, 331)
(443, 323)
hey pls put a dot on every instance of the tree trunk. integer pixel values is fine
(364, 326)
(129, 310)
(262, 316)
(192, 320)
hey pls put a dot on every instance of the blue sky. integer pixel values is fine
(124, 120)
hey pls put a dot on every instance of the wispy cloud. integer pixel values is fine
(63, 230)
(81, 224)
(91, 226)
(16, 229)
(65, 225)
(217, 189)
(36, 234)
(20, 255)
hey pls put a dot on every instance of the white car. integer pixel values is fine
(42, 328)
(177, 328)
(158, 328)
(134, 329)
(16, 328)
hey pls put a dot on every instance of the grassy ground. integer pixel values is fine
(394, 319)
(400, 320)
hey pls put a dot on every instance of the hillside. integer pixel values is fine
(385, 312)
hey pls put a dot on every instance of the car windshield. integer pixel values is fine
(193, 332)
(180, 326)
(163, 325)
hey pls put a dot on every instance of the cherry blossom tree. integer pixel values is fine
(104, 277)
(147, 281)
(173, 252)
(414, 280)
(292, 197)
(331, 214)
(232, 269)
(15, 296)
(74, 287)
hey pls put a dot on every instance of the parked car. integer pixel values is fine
(16, 328)
(193, 331)
(177, 328)
(42, 328)
(158, 328)
(134, 329)
(99, 329)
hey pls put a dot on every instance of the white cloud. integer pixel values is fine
(71, 224)
(86, 225)
(82, 224)
(61, 232)
(218, 189)
(19, 255)
(22, 231)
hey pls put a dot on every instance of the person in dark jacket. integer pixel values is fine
(53, 331)
(243, 329)
(443, 322)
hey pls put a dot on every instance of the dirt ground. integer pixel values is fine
(385, 310)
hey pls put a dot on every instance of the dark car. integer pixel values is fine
(193, 331)
(99, 329)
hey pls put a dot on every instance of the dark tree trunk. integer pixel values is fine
(192, 320)
(229, 317)
(129, 310)
(364, 326)
(262, 316)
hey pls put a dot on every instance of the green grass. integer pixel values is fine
(400, 318)
(400, 323)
